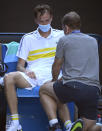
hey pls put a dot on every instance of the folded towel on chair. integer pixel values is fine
(10, 55)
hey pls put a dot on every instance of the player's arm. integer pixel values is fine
(21, 67)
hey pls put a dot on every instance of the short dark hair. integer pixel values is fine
(42, 8)
(72, 19)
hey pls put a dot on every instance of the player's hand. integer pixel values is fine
(31, 74)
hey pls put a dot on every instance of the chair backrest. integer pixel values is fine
(8, 37)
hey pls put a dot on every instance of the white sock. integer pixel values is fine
(53, 121)
(67, 124)
(15, 119)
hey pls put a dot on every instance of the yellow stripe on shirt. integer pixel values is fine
(41, 50)
(44, 55)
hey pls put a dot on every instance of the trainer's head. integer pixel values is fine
(71, 21)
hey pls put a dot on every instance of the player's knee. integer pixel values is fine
(8, 78)
(41, 90)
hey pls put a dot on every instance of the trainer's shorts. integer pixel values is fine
(84, 96)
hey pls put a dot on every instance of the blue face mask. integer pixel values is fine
(44, 28)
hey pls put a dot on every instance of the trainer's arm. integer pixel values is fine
(56, 67)
(58, 61)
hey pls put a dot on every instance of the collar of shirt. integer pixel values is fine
(39, 36)
(75, 31)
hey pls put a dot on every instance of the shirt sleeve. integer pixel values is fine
(59, 49)
(23, 49)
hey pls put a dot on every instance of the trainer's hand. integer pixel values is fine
(31, 74)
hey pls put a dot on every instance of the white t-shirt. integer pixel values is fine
(39, 52)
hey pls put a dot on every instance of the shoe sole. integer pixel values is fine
(77, 126)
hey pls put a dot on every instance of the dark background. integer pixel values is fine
(17, 15)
